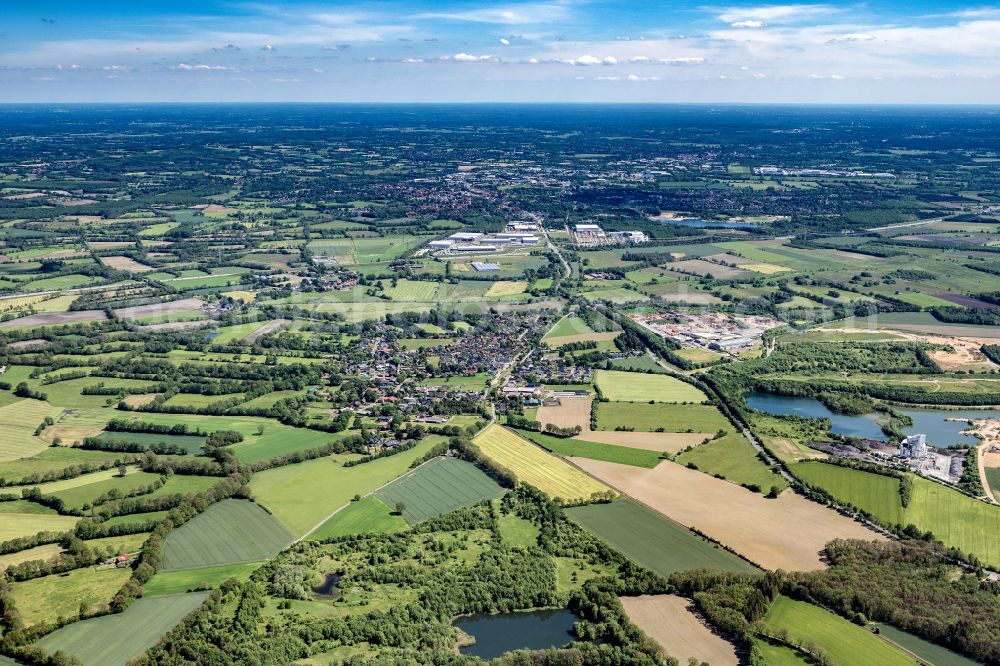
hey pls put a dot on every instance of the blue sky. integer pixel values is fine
(546, 51)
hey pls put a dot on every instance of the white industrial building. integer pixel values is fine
(914, 446)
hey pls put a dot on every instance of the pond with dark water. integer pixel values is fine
(531, 630)
(328, 588)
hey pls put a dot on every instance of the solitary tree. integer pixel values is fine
(400, 508)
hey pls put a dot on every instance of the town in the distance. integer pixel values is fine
(455, 385)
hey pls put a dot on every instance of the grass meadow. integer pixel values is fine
(733, 457)
(327, 484)
(845, 642)
(621, 386)
(369, 515)
(648, 418)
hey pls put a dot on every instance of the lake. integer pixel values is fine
(532, 630)
(848, 425)
(941, 432)
(710, 224)
(932, 422)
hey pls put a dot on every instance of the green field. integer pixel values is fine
(993, 478)
(635, 387)
(14, 525)
(647, 418)
(624, 455)
(52, 459)
(229, 334)
(78, 497)
(47, 598)
(439, 486)
(280, 440)
(733, 457)
(185, 580)
(637, 364)
(412, 290)
(569, 325)
(957, 520)
(114, 640)
(845, 642)
(191, 443)
(929, 652)
(780, 655)
(327, 484)
(651, 540)
(228, 532)
(369, 515)
(17, 422)
(875, 493)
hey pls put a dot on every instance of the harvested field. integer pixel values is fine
(126, 264)
(140, 399)
(54, 319)
(671, 621)
(533, 465)
(788, 532)
(269, 327)
(155, 309)
(671, 442)
(570, 412)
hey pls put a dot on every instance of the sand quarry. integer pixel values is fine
(788, 532)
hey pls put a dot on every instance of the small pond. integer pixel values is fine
(328, 588)
(937, 424)
(532, 630)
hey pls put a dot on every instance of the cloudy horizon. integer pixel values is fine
(550, 51)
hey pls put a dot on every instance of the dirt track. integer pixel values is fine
(269, 327)
(788, 532)
(671, 622)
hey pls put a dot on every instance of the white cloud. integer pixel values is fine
(506, 15)
(467, 57)
(589, 60)
(774, 13)
(749, 23)
(636, 77)
(504, 42)
(187, 67)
